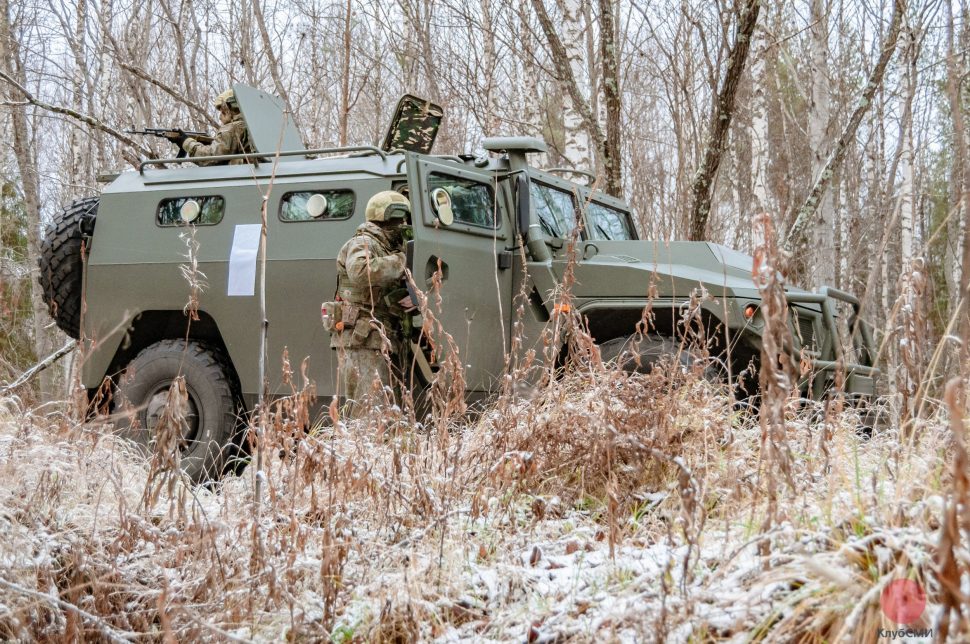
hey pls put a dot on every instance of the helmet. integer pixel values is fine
(228, 98)
(379, 207)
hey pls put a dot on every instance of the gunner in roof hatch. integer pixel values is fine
(232, 137)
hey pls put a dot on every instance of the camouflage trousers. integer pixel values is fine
(363, 375)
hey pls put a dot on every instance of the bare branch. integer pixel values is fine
(192, 105)
(83, 118)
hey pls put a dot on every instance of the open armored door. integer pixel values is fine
(461, 233)
(271, 129)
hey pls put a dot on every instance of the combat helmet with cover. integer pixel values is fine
(387, 206)
(227, 98)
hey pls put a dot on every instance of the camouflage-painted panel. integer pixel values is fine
(414, 126)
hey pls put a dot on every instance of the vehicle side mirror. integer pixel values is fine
(523, 204)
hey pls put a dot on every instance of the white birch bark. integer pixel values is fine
(824, 229)
(907, 203)
(490, 122)
(10, 60)
(530, 97)
(576, 152)
(759, 136)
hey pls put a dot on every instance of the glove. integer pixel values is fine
(398, 261)
(176, 137)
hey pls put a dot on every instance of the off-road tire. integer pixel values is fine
(213, 398)
(651, 351)
(61, 265)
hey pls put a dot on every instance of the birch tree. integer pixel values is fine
(960, 177)
(13, 66)
(807, 213)
(577, 152)
(825, 228)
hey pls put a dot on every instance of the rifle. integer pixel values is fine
(176, 135)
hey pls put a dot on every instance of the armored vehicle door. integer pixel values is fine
(463, 232)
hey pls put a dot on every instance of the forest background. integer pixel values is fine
(627, 90)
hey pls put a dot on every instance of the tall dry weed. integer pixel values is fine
(952, 565)
(777, 370)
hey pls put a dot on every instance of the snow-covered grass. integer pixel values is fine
(603, 506)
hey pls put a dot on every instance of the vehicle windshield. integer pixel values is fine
(555, 209)
(608, 223)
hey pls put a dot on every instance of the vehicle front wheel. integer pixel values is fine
(211, 417)
(641, 354)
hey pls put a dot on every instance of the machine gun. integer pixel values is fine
(176, 135)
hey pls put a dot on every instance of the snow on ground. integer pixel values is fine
(378, 533)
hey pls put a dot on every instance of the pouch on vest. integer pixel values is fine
(349, 314)
(361, 331)
(330, 315)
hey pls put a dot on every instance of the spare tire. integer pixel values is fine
(61, 265)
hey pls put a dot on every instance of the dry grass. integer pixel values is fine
(606, 505)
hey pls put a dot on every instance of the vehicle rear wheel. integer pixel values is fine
(641, 354)
(211, 417)
(61, 267)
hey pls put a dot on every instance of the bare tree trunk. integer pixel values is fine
(246, 11)
(907, 201)
(27, 166)
(824, 231)
(808, 210)
(531, 100)
(273, 63)
(702, 189)
(577, 151)
(77, 166)
(759, 130)
(610, 157)
(490, 120)
(345, 76)
(418, 14)
(961, 179)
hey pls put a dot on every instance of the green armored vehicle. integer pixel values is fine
(490, 226)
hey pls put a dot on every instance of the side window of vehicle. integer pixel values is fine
(608, 223)
(317, 205)
(471, 202)
(195, 211)
(555, 208)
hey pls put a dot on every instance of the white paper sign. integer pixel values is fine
(242, 260)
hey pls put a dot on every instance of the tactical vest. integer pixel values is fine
(245, 144)
(363, 295)
(359, 302)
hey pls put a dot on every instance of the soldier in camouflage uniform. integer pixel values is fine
(232, 137)
(370, 267)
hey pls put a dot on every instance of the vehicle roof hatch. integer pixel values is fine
(414, 125)
(270, 127)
